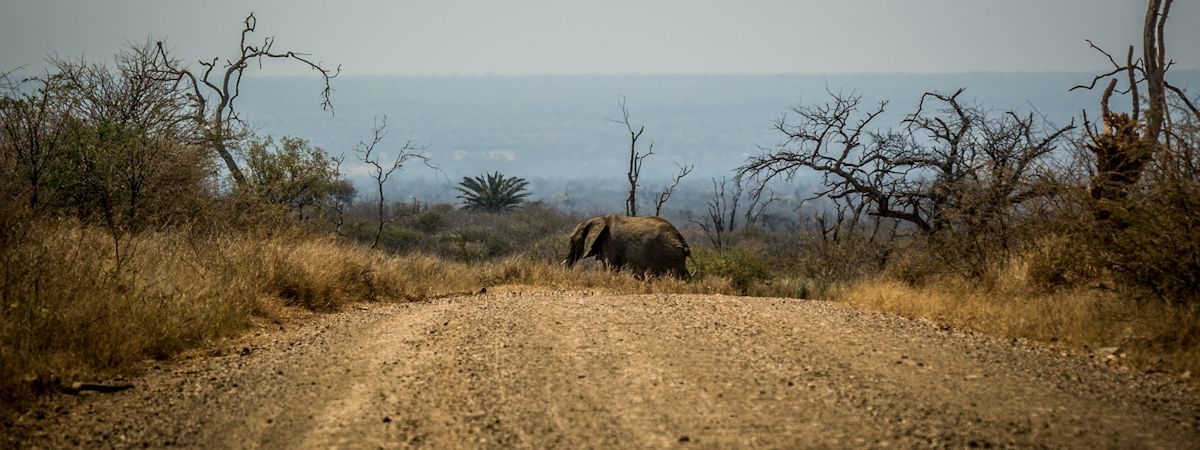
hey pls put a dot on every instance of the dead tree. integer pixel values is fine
(758, 205)
(722, 213)
(1128, 141)
(635, 158)
(342, 194)
(665, 195)
(383, 171)
(214, 91)
(951, 166)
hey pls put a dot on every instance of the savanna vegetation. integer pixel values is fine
(144, 218)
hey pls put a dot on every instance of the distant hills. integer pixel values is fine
(554, 128)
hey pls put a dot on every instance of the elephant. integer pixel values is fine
(646, 246)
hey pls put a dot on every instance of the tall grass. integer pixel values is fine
(1015, 303)
(73, 310)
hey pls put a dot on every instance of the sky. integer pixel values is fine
(449, 37)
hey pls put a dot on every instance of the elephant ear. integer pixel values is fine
(596, 237)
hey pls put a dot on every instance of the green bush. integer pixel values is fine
(400, 239)
(743, 268)
(430, 222)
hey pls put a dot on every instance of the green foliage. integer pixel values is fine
(400, 239)
(742, 267)
(430, 222)
(1156, 250)
(105, 144)
(292, 173)
(493, 192)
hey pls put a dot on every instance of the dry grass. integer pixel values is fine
(73, 311)
(1153, 336)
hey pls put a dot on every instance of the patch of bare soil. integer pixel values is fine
(579, 370)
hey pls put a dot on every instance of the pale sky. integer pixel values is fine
(442, 37)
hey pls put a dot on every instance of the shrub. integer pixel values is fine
(742, 267)
(292, 173)
(398, 239)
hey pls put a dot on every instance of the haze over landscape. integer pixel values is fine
(527, 87)
(551, 128)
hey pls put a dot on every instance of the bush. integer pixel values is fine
(292, 173)
(742, 267)
(1156, 248)
(397, 239)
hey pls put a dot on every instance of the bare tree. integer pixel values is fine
(342, 194)
(665, 195)
(956, 164)
(722, 213)
(215, 90)
(758, 205)
(382, 171)
(635, 158)
(1127, 143)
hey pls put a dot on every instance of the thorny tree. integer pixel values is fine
(32, 134)
(950, 165)
(214, 91)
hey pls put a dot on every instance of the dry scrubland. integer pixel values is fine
(124, 240)
(80, 317)
(83, 318)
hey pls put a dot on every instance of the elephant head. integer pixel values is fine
(642, 245)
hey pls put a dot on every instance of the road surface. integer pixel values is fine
(587, 370)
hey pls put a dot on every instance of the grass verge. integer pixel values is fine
(74, 308)
(1151, 336)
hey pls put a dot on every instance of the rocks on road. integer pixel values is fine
(580, 370)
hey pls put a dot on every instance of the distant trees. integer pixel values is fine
(950, 168)
(947, 167)
(492, 192)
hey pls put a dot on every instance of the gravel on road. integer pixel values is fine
(588, 370)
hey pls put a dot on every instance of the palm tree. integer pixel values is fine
(493, 192)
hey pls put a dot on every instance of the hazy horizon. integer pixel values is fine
(528, 37)
(554, 129)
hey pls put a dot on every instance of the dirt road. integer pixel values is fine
(576, 370)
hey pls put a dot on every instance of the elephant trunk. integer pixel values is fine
(574, 252)
(572, 257)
